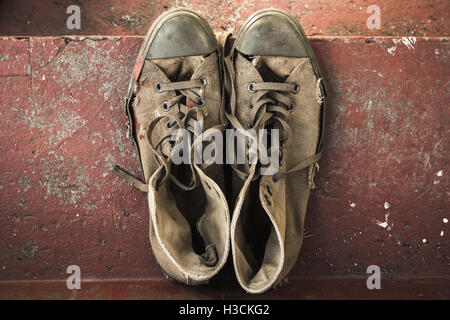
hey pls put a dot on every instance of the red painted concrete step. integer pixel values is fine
(318, 17)
(310, 289)
(382, 195)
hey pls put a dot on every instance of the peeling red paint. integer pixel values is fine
(14, 58)
(330, 17)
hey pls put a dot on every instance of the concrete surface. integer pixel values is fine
(308, 289)
(133, 17)
(383, 190)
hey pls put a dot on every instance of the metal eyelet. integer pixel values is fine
(168, 126)
(165, 106)
(201, 103)
(204, 82)
(267, 199)
(269, 190)
(250, 107)
(158, 87)
(250, 87)
(291, 107)
(296, 88)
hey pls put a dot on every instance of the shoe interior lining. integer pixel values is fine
(191, 210)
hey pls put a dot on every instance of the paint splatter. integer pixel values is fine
(391, 50)
(409, 42)
(382, 224)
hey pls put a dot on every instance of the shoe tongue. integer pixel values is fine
(180, 68)
(274, 69)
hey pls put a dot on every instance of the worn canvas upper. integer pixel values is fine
(189, 228)
(268, 220)
(175, 100)
(176, 214)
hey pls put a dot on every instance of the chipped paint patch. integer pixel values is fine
(120, 142)
(28, 250)
(89, 207)
(25, 182)
(440, 173)
(384, 224)
(393, 49)
(63, 179)
(409, 42)
(68, 123)
(110, 162)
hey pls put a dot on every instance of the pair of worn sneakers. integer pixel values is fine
(265, 78)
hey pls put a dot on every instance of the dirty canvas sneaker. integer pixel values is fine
(274, 83)
(176, 84)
